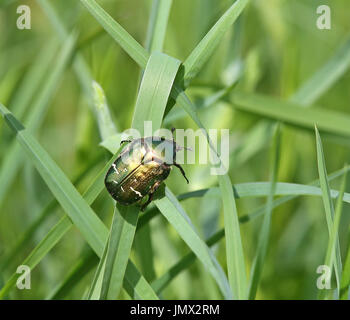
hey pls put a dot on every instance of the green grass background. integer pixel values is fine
(290, 73)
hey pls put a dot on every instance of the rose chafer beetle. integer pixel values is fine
(141, 168)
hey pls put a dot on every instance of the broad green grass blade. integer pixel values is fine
(264, 235)
(154, 91)
(345, 280)
(330, 256)
(119, 248)
(200, 55)
(173, 212)
(136, 285)
(157, 25)
(118, 33)
(13, 159)
(151, 103)
(328, 121)
(324, 78)
(91, 227)
(328, 204)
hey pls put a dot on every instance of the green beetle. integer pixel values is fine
(141, 168)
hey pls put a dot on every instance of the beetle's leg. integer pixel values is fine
(149, 200)
(182, 171)
(121, 142)
(150, 195)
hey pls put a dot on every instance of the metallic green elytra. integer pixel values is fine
(141, 168)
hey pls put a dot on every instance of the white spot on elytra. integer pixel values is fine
(122, 188)
(137, 192)
(115, 168)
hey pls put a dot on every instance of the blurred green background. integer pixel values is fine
(277, 47)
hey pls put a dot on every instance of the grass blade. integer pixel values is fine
(328, 121)
(91, 227)
(120, 241)
(234, 251)
(328, 204)
(345, 280)
(158, 24)
(200, 55)
(324, 78)
(173, 212)
(118, 33)
(329, 261)
(264, 235)
(154, 91)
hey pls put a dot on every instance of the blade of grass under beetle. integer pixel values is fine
(157, 25)
(136, 285)
(153, 95)
(329, 121)
(264, 234)
(156, 30)
(328, 204)
(91, 227)
(203, 51)
(155, 88)
(330, 256)
(173, 212)
(119, 248)
(151, 102)
(345, 279)
(13, 159)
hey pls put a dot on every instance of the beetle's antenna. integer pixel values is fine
(178, 148)
(182, 171)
